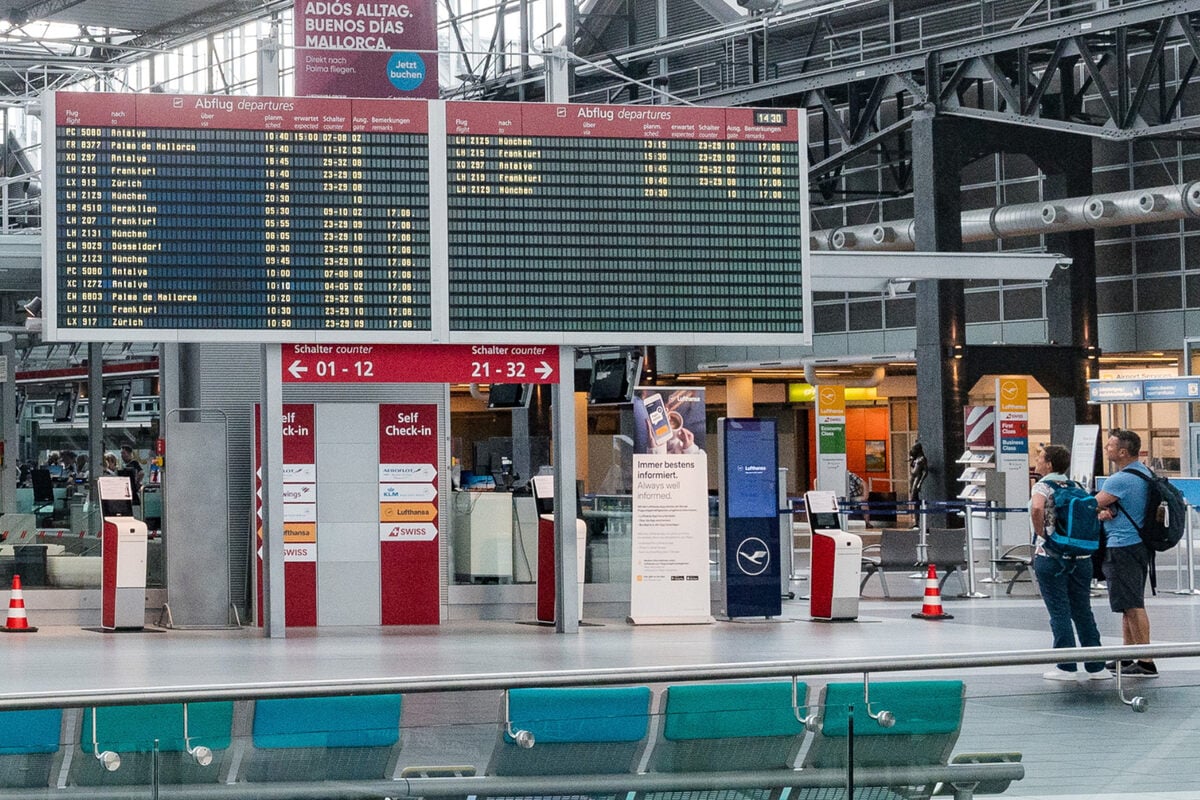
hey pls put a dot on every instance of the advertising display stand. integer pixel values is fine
(123, 579)
(836, 561)
(749, 509)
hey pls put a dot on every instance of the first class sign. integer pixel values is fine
(435, 363)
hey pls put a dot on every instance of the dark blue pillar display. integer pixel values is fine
(750, 517)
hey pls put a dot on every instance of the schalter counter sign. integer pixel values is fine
(435, 363)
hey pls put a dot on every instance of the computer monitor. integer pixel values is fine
(614, 378)
(133, 485)
(64, 406)
(116, 401)
(543, 493)
(509, 395)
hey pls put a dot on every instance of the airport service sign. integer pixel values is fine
(428, 363)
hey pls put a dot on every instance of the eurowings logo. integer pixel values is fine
(753, 557)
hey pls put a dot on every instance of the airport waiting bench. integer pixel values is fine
(700, 742)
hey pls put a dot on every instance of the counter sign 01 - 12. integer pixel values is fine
(211, 218)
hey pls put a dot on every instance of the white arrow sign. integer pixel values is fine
(544, 371)
(297, 369)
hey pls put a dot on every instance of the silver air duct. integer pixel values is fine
(1137, 207)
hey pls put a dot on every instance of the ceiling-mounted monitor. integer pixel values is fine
(64, 406)
(509, 395)
(614, 378)
(116, 402)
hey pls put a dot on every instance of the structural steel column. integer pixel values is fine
(941, 318)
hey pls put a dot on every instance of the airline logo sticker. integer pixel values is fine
(299, 532)
(407, 512)
(299, 512)
(406, 473)
(753, 557)
(831, 400)
(407, 531)
(399, 492)
(299, 473)
(299, 492)
(293, 553)
(1013, 395)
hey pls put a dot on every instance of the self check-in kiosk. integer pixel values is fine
(123, 551)
(836, 560)
(547, 570)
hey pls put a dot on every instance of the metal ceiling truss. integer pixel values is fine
(1116, 83)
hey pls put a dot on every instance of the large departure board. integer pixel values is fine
(206, 218)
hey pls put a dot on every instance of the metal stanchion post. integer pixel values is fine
(970, 527)
(1188, 548)
(993, 519)
(922, 540)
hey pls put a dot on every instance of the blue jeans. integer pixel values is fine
(1066, 590)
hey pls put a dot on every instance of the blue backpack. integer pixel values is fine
(1077, 529)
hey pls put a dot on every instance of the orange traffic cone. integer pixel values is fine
(932, 609)
(17, 621)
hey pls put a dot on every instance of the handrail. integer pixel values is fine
(583, 677)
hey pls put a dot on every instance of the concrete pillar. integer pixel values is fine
(739, 397)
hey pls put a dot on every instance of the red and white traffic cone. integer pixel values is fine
(17, 621)
(932, 609)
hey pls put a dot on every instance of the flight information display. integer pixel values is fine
(206, 218)
(661, 219)
(203, 213)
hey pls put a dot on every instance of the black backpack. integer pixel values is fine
(1165, 515)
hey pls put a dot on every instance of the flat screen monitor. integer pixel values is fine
(64, 406)
(543, 493)
(614, 379)
(133, 485)
(116, 400)
(509, 395)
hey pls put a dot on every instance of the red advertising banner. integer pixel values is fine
(409, 559)
(419, 363)
(367, 49)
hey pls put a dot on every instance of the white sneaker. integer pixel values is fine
(1059, 675)
(1102, 675)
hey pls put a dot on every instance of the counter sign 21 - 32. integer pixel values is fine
(431, 363)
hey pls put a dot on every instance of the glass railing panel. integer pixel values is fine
(995, 731)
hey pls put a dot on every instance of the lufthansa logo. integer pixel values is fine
(753, 557)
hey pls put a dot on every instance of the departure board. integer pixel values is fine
(239, 213)
(219, 218)
(660, 219)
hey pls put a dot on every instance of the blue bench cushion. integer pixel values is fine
(581, 715)
(731, 710)
(133, 729)
(366, 721)
(921, 708)
(35, 731)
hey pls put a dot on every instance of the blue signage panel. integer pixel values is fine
(1184, 388)
(751, 485)
(1114, 391)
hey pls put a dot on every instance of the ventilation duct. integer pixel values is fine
(1137, 207)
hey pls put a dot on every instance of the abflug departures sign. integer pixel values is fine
(751, 505)
(206, 218)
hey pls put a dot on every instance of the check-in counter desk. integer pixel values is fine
(482, 536)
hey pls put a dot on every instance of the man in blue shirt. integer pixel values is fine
(1127, 561)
